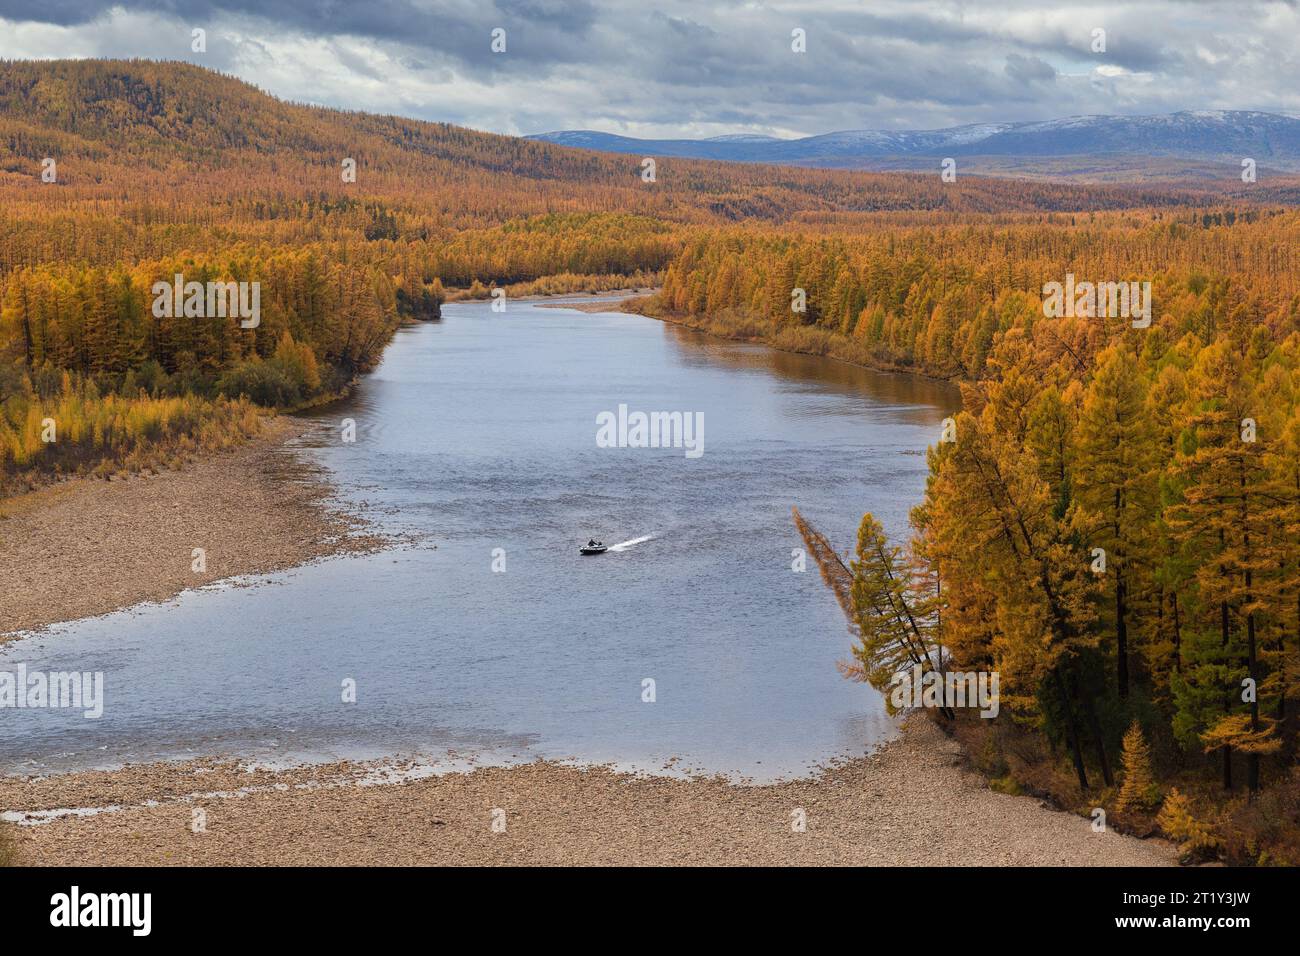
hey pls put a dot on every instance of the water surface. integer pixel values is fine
(478, 433)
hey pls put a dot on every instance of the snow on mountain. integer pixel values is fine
(743, 138)
(1222, 135)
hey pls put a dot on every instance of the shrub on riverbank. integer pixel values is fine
(79, 431)
(286, 380)
(1195, 814)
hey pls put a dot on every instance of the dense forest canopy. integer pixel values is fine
(1112, 523)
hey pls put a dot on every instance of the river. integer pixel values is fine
(484, 635)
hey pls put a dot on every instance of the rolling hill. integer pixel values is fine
(135, 128)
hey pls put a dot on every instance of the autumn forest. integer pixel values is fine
(1111, 522)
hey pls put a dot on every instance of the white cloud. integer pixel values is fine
(692, 69)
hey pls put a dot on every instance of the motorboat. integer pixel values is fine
(593, 547)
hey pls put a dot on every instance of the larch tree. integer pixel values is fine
(991, 511)
(1115, 481)
(1139, 788)
(1222, 520)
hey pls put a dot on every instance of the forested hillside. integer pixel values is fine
(115, 176)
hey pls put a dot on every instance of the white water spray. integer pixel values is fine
(622, 545)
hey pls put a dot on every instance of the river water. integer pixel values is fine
(476, 441)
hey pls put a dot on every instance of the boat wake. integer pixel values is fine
(622, 545)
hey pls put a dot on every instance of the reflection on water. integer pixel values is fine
(894, 390)
(476, 438)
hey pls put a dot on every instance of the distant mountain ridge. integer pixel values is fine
(1271, 139)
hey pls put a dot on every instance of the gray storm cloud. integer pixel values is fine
(691, 68)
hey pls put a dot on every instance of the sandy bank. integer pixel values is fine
(611, 301)
(88, 546)
(911, 803)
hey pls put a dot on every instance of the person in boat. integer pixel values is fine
(591, 543)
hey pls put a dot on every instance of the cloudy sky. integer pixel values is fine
(695, 68)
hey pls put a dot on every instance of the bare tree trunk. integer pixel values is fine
(1178, 634)
(1227, 705)
(1121, 633)
(1094, 727)
(1072, 732)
